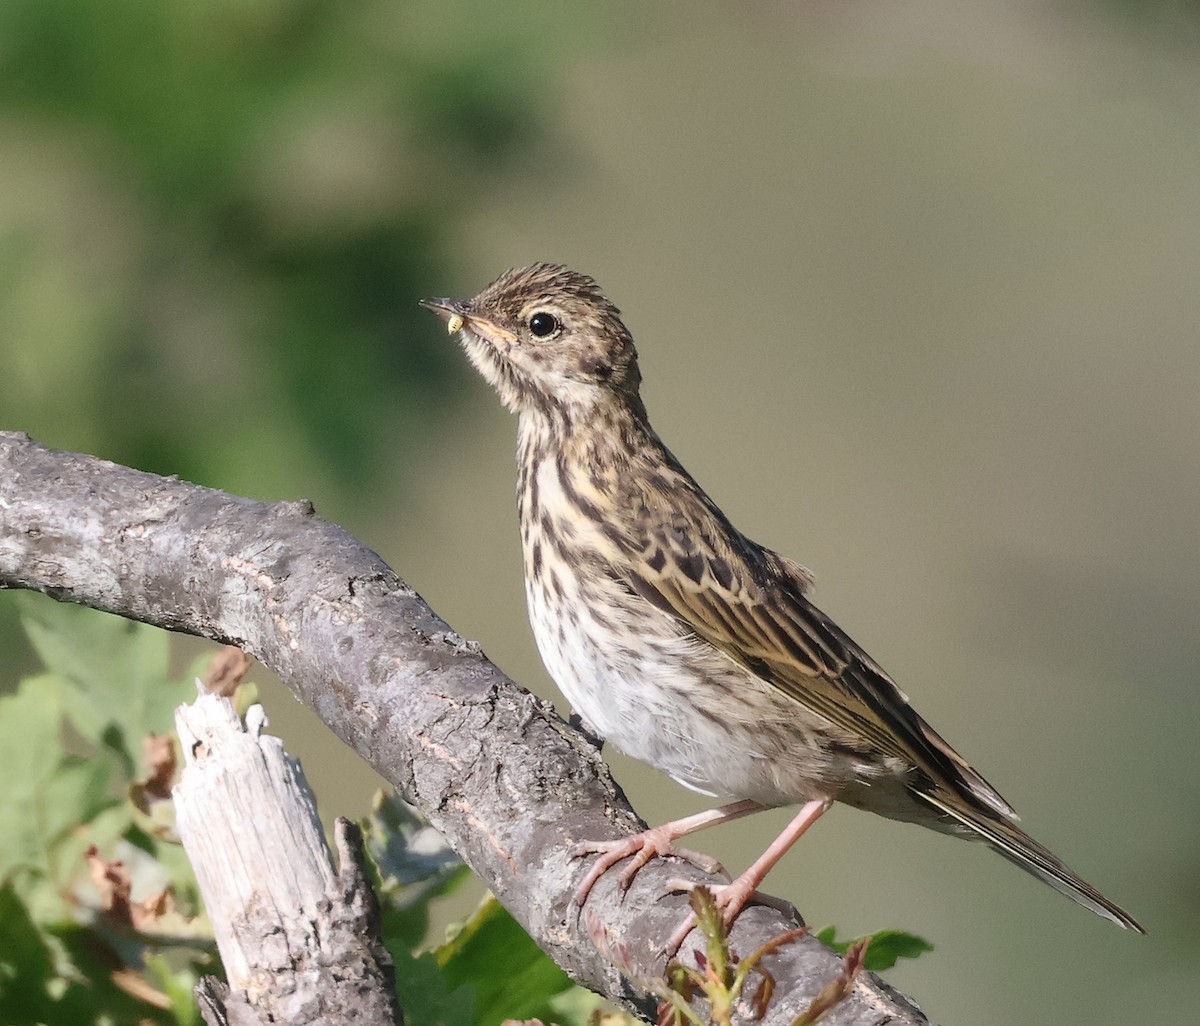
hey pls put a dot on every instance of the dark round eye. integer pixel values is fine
(543, 324)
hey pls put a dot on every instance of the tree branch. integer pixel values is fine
(492, 767)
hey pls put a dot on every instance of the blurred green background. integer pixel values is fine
(917, 292)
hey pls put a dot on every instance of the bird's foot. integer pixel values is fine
(730, 899)
(733, 897)
(642, 847)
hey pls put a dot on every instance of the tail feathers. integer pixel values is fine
(1018, 847)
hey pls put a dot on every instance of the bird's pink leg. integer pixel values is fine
(732, 898)
(658, 840)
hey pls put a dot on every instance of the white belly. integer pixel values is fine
(657, 701)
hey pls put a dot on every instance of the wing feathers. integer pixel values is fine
(751, 603)
(1019, 848)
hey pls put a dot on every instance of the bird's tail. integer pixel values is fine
(1017, 846)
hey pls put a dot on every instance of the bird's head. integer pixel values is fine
(548, 341)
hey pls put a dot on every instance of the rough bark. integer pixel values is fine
(298, 938)
(493, 768)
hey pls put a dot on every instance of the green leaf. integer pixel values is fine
(885, 949)
(576, 1005)
(91, 964)
(177, 984)
(48, 797)
(490, 970)
(414, 865)
(75, 794)
(426, 995)
(511, 976)
(116, 670)
(59, 978)
(26, 966)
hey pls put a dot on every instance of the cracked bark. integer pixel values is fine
(299, 938)
(492, 767)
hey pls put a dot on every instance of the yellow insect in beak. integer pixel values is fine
(454, 323)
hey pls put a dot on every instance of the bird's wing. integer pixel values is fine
(751, 603)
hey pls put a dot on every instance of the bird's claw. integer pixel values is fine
(730, 900)
(642, 847)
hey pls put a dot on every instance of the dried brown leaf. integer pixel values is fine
(226, 670)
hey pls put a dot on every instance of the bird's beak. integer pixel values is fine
(451, 310)
(458, 316)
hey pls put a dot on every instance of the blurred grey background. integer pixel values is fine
(915, 287)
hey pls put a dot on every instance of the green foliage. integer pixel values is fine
(508, 975)
(427, 997)
(413, 865)
(48, 794)
(70, 745)
(41, 983)
(488, 969)
(885, 948)
(97, 657)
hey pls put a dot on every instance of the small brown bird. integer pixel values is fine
(676, 637)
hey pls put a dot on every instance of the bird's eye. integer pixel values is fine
(543, 324)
